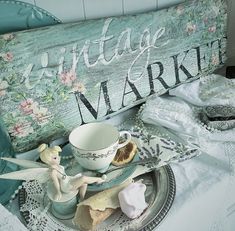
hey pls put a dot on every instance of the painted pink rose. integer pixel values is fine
(21, 129)
(79, 87)
(8, 57)
(215, 60)
(8, 37)
(212, 29)
(28, 106)
(2, 93)
(41, 115)
(190, 27)
(67, 77)
(3, 87)
(179, 9)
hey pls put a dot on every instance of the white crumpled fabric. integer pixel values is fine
(196, 110)
(9, 222)
(201, 112)
(205, 189)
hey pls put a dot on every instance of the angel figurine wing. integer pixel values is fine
(34, 171)
(25, 163)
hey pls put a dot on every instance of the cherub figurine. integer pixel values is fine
(51, 170)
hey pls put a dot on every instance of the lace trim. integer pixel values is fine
(37, 206)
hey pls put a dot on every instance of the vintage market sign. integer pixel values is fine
(55, 78)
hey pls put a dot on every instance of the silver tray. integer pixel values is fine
(160, 195)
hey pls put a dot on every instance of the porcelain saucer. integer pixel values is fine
(113, 178)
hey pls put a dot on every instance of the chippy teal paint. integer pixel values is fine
(58, 77)
(17, 15)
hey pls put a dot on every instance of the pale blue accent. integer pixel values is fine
(103, 170)
(124, 174)
(16, 15)
(7, 187)
(64, 210)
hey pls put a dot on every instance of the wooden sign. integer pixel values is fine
(55, 78)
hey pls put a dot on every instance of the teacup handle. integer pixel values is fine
(122, 133)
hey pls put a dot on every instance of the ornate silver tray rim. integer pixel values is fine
(160, 197)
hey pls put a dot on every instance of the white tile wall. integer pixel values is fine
(102, 8)
(166, 3)
(65, 10)
(138, 6)
(70, 10)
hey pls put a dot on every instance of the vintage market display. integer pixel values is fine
(56, 78)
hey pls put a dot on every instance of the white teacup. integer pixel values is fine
(95, 145)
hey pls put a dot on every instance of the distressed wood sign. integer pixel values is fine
(55, 78)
